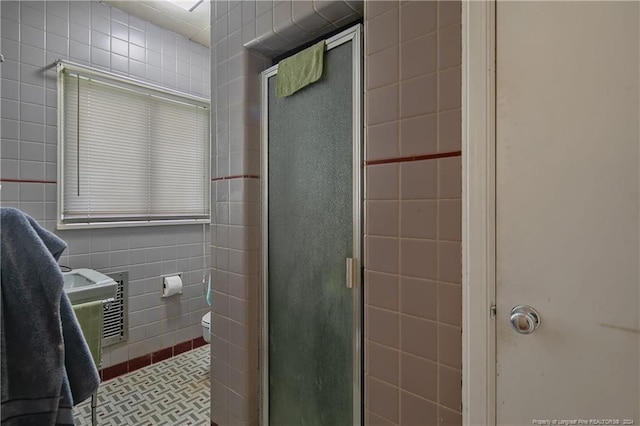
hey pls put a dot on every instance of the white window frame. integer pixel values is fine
(133, 84)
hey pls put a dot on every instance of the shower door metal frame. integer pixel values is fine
(353, 34)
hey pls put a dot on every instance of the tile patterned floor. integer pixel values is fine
(171, 392)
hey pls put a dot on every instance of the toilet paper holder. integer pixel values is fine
(171, 284)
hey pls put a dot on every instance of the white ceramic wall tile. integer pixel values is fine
(32, 36)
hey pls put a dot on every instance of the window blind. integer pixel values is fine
(129, 152)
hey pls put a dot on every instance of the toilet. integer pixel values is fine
(206, 318)
(206, 327)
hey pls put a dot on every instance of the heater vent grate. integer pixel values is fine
(116, 314)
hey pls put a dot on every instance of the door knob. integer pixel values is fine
(525, 319)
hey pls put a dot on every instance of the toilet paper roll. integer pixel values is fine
(171, 285)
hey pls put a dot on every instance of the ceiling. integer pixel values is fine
(194, 25)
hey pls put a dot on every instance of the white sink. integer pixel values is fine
(86, 285)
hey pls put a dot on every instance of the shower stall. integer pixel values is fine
(311, 316)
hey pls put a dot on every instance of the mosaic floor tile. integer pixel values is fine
(172, 392)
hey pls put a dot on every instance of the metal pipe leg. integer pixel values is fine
(94, 406)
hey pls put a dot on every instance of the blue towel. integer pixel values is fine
(46, 365)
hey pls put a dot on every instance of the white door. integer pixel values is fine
(568, 203)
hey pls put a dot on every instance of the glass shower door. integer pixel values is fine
(312, 222)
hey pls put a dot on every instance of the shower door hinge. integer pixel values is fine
(492, 311)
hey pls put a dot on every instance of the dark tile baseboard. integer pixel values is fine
(145, 360)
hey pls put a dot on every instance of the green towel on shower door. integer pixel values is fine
(300, 70)
(90, 319)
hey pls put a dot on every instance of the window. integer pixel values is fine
(129, 153)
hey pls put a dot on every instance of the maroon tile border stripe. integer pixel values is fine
(27, 181)
(235, 177)
(414, 158)
(148, 359)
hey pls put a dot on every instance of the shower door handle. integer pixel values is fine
(352, 267)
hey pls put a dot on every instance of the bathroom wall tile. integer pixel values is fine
(382, 182)
(57, 44)
(332, 11)
(418, 180)
(417, 411)
(239, 407)
(382, 327)
(449, 89)
(450, 262)
(248, 11)
(79, 33)
(80, 12)
(80, 52)
(418, 135)
(450, 346)
(58, 26)
(382, 218)
(383, 363)
(31, 170)
(32, 36)
(283, 22)
(382, 254)
(447, 417)
(235, 18)
(10, 148)
(419, 376)
(382, 105)
(418, 297)
(418, 258)
(418, 57)
(417, 18)
(32, 55)
(449, 12)
(33, 113)
(382, 290)
(32, 152)
(11, 70)
(450, 47)
(375, 8)
(305, 16)
(237, 382)
(382, 399)
(10, 130)
(382, 141)
(10, 10)
(372, 419)
(418, 219)
(419, 337)
(10, 109)
(450, 304)
(418, 96)
(10, 30)
(10, 190)
(450, 381)
(10, 49)
(449, 131)
(449, 178)
(382, 68)
(382, 32)
(34, 17)
(450, 220)
(31, 191)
